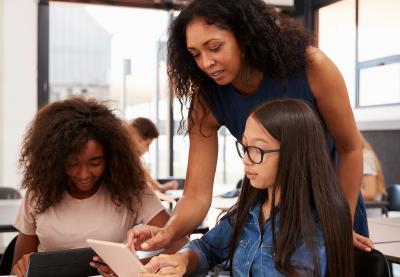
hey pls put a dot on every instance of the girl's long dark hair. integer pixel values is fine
(307, 181)
(270, 43)
(63, 128)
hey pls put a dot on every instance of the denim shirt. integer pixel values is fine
(253, 255)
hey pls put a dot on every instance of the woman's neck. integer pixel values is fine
(248, 81)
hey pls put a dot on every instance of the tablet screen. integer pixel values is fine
(63, 263)
(118, 257)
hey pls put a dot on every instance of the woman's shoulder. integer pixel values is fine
(315, 57)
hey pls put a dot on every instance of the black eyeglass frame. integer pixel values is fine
(245, 150)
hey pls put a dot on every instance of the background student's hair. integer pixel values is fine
(63, 128)
(307, 181)
(145, 128)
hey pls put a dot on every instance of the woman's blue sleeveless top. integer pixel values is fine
(231, 110)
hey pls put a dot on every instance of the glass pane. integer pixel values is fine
(339, 46)
(379, 25)
(380, 85)
(110, 53)
(80, 53)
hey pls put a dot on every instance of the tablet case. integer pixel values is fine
(63, 263)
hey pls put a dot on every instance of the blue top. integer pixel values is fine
(231, 108)
(253, 256)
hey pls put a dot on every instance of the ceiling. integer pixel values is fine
(151, 4)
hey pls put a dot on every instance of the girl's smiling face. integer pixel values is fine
(85, 169)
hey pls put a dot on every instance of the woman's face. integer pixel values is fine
(263, 175)
(86, 168)
(142, 145)
(215, 51)
(139, 145)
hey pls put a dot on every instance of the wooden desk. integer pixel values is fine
(390, 250)
(8, 210)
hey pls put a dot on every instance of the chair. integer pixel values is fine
(370, 264)
(181, 181)
(9, 193)
(7, 258)
(394, 197)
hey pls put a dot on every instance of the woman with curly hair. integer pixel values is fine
(82, 180)
(226, 56)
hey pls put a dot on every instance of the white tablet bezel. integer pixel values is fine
(118, 257)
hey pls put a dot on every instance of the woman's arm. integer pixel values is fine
(333, 103)
(200, 173)
(24, 246)
(330, 92)
(159, 221)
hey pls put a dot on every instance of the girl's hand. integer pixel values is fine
(102, 267)
(148, 237)
(21, 266)
(166, 265)
(362, 243)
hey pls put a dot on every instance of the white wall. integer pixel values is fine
(378, 118)
(18, 75)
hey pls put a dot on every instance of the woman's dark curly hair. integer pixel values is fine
(63, 128)
(269, 42)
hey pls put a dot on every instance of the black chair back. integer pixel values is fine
(7, 258)
(9, 193)
(181, 181)
(394, 197)
(370, 264)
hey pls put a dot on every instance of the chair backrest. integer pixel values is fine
(9, 193)
(394, 197)
(7, 258)
(181, 181)
(370, 264)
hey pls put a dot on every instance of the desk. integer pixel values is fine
(391, 221)
(223, 203)
(390, 250)
(381, 233)
(8, 210)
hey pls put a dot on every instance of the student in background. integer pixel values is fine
(373, 182)
(82, 180)
(143, 131)
(291, 219)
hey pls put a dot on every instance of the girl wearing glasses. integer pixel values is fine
(227, 56)
(291, 218)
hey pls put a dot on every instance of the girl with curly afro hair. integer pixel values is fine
(82, 180)
(224, 58)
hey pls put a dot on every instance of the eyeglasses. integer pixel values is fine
(254, 153)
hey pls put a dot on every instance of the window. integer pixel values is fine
(369, 56)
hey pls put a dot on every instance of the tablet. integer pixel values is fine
(118, 257)
(63, 263)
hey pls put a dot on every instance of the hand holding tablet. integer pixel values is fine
(120, 258)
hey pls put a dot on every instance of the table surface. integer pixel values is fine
(383, 232)
(8, 210)
(390, 250)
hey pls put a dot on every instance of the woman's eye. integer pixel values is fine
(97, 163)
(215, 49)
